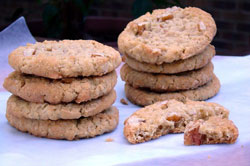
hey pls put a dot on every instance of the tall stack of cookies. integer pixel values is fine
(168, 55)
(63, 90)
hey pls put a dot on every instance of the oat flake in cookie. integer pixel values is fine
(167, 35)
(67, 58)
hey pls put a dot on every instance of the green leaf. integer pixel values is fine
(52, 21)
(49, 12)
(140, 7)
(79, 4)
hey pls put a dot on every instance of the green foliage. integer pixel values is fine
(52, 21)
(141, 7)
(65, 18)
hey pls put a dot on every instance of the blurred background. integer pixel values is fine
(103, 20)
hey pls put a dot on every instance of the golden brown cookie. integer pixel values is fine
(66, 58)
(144, 97)
(169, 116)
(103, 122)
(40, 90)
(195, 62)
(215, 130)
(44, 111)
(164, 82)
(167, 35)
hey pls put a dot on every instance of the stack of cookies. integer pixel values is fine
(63, 90)
(168, 55)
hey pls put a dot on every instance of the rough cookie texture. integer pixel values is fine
(167, 35)
(170, 116)
(212, 131)
(163, 82)
(40, 90)
(192, 63)
(66, 58)
(144, 97)
(68, 129)
(44, 111)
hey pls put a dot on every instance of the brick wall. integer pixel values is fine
(232, 18)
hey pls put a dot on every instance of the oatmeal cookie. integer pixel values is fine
(44, 111)
(169, 116)
(195, 62)
(166, 83)
(66, 58)
(144, 97)
(40, 90)
(167, 35)
(68, 129)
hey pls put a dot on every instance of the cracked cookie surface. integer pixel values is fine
(215, 130)
(192, 63)
(144, 97)
(169, 116)
(44, 111)
(163, 82)
(167, 35)
(40, 90)
(103, 122)
(66, 58)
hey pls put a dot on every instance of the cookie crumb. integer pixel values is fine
(123, 58)
(123, 101)
(208, 156)
(109, 140)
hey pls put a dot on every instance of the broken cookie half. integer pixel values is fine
(212, 131)
(169, 116)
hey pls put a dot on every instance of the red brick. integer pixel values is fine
(235, 36)
(125, 14)
(216, 14)
(225, 25)
(93, 12)
(232, 52)
(235, 16)
(242, 49)
(245, 6)
(197, 3)
(219, 33)
(109, 13)
(243, 27)
(222, 44)
(241, 46)
(220, 51)
(225, 5)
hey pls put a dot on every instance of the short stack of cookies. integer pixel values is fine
(168, 55)
(64, 89)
